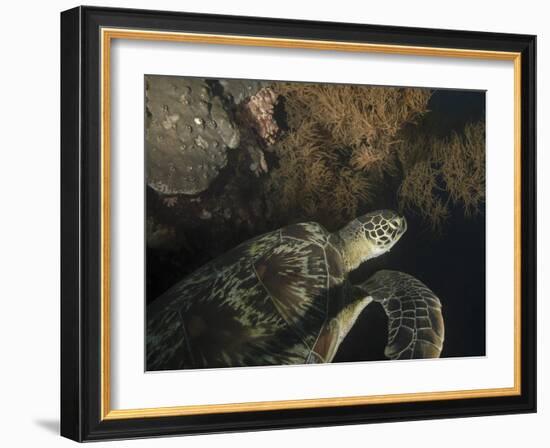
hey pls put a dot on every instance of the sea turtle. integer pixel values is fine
(284, 298)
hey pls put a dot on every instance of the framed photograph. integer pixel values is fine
(272, 224)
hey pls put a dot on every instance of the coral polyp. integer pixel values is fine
(261, 109)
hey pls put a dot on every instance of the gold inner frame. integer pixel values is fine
(107, 35)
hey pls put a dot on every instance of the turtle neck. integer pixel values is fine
(354, 247)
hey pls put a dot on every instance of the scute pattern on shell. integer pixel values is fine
(233, 315)
(294, 275)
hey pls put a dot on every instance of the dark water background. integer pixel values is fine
(451, 263)
(453, 267)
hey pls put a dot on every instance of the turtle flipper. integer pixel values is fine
(415, 321)
(326, 345)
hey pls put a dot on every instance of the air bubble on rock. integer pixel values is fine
(170, 121)
(201, 142)
(205, 94)
(199, 121)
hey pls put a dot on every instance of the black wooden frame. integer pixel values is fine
(80, 224)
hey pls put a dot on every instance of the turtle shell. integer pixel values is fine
(264, 302)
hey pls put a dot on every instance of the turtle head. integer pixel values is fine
(370, 235)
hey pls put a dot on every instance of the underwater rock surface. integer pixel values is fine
(238, 90)
(187, 135)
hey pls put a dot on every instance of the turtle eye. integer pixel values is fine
(395, 223)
